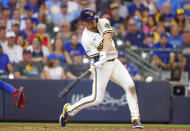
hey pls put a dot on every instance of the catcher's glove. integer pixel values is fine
(20, 99)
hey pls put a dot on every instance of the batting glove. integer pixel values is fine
(102, 60)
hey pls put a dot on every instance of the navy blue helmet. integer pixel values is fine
(88, 14)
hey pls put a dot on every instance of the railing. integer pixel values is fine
(142, 57)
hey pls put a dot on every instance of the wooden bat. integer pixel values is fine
(69, 87)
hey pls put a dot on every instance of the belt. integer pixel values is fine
(111, 59)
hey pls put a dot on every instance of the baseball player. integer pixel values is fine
(100, 48)
(20, 100)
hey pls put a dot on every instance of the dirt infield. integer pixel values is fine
(87, 128)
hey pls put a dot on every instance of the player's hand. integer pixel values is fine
(20, 99)
(99, 64)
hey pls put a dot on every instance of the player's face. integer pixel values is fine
(91, 25)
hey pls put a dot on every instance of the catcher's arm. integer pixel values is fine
(20, 99)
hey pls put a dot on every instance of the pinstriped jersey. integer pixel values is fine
(93, 42)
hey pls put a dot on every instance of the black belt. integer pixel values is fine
(111, 59)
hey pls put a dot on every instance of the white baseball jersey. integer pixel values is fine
(112, 69)
(93, 42)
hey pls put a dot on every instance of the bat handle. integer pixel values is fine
(92, 68)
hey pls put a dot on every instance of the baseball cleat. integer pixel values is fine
(136, 124)
(64, 117)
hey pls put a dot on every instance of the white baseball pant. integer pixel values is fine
(115, 71)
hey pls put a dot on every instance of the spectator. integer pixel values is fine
(63, 15)
(149, 40)
(175, 38)
(4, 2)
(102, 6)
(77, 68)
(11, 49)
(65, 31)
(164, 59)
(166, 11)
(29, 14)
(150, 25)
(144, 15)
(73, 45)
(159, 30)
(138, 18)
(175, 4)
(6, 13)
(41, 32)
(60, 52)
(180, 18)
(53, 70)
(124, 26)
(34, 5)
(3, 39)
(15, 27)
(87, 4)
(115, 20)
(12, 5)
(22, 42)
(123, 12)
(73, 7)
(43, 15)
(184, 57)
(79, 31)
(176, 83)
(133, 36)
(185, 5)
(5, 65)
(39, 51)
(175, 74)
(151, 5)
(15, 19)
(3, 22)
(136, 4)
(132, 68)
(20, 6)
(28, 31)
(27, 68)
(54, 7)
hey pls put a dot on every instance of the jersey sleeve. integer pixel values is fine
(89, 45)
(104, 26)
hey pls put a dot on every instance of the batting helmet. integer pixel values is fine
(88, 14)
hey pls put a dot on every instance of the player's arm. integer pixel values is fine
(107, 41)
(108, 33)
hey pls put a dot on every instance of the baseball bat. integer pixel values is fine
(68, 88)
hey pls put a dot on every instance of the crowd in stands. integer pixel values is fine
(42, 38)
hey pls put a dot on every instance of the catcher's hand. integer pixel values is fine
(20, 99)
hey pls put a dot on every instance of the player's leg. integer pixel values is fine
(121, 76)
(100, 80)
(7, 87)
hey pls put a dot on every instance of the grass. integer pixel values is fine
(78, 127)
